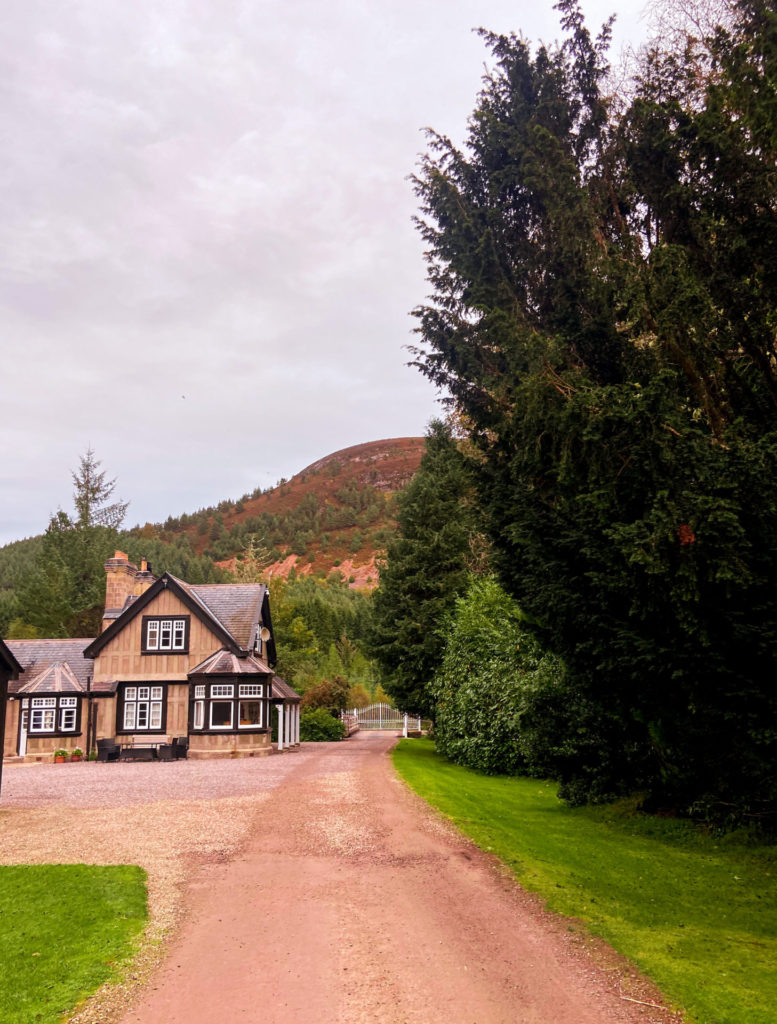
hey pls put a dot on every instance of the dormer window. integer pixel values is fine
(165, 634)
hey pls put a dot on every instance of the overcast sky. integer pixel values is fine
(207, 260)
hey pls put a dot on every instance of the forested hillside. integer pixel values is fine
(315, 538)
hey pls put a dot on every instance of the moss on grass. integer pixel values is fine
(697, 914)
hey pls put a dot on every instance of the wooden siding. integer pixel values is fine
(121, 658)
(206, 745)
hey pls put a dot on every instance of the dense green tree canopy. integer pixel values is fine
(426, 568)
(604, 315)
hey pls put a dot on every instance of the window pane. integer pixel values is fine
(68, 702)
(142, 721)
(199, 713)
(199, 691)
(156, 715)
(152, 636)
(166, 635)
(156, 693)
(143, 693)
(250, 713)
(178, 634)
(129, 716)
(221, 690)
(49, 717)
(250, 690)
(221, 714)
(67, 722)
(131, 693)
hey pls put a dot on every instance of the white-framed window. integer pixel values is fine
(221, 714)
(163, 633)
(141, 709)
(43, 714)
(68, 707)
(228, 706)
(249, 714)
(52, 714)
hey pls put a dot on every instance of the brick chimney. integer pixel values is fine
(123, 579)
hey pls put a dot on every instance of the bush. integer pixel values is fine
(318, 725)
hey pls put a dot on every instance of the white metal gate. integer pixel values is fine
(383, 716)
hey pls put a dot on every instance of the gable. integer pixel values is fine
(130, 639)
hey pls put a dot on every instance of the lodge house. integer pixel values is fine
(173, 660)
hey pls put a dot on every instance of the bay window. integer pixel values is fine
(53, 715)
(228, 707)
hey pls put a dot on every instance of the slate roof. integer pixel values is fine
(235, 606)
(224, 663)
(51, 666)
(282, 689)
(232, 611)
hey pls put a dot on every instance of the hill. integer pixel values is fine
(336, 514)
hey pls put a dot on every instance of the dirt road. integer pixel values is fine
(351, 902)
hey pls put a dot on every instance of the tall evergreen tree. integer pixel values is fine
(426, 568)
(604, 315)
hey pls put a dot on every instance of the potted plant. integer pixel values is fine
(77, 754)
(60, 756)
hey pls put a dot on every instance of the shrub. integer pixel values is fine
(318, 725)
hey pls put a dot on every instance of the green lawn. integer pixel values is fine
(695, 913)
(64, 930)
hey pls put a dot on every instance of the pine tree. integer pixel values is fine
(91, 493)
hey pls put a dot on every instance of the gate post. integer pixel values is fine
(404, 727)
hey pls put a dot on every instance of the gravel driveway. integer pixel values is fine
(311, 888)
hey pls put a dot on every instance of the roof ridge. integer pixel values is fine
(189, 588)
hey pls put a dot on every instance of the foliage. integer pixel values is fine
(64, 931)
(603, 318)
(318, 725)
(330, 694)
(500, 697)
(319, 629)
(424, 571)
(696, 913)
(91, 495)
(57, 583)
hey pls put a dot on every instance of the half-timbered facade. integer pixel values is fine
(173, 660)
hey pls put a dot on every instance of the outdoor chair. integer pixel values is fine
(180, 746)
(165, 752)
(108, 750)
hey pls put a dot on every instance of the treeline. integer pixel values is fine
(313, 523)
(603, 317)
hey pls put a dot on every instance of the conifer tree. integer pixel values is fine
(426, 568)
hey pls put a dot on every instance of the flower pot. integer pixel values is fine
(75, 757)
(59, 760)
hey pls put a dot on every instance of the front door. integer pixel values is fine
(24, 722)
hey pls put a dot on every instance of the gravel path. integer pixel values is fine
(312, 888)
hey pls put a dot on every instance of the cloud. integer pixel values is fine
(210, 200)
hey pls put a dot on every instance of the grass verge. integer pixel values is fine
(697, 914)
(64, 930)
